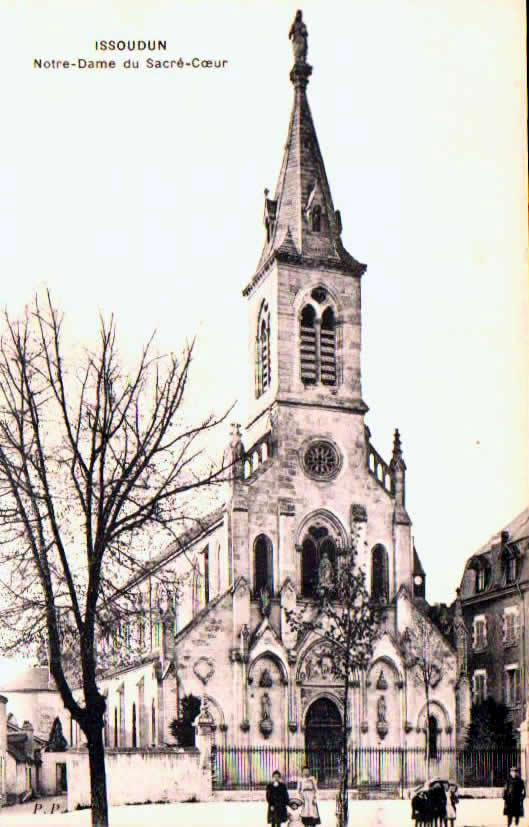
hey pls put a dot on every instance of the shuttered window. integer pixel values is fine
(328, 348)
(263, 366)
(308, 346)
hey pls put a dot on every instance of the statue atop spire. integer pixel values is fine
(299, 36)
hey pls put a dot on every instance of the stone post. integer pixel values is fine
(205, 739)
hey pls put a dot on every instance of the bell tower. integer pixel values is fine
(304, 298)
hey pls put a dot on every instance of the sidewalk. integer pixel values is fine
(470, 813)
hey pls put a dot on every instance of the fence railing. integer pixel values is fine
(391, 768)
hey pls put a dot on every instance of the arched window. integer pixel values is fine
(153, 723)
(195, 591)
(308, 345)
(263, 577)
(115, 727)
(263, 369)
(316, 543)
(328, 348)
(379, 574)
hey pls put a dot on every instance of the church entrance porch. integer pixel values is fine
(323, 739)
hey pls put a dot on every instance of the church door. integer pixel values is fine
(323, 737)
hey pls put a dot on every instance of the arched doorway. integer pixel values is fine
(433, 737)
(323, 734)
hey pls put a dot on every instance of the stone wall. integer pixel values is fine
(133, 777)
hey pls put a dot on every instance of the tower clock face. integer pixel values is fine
(417, 580)
(321, 460)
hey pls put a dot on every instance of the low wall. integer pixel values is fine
(133, 776)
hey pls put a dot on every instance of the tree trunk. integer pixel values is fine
(98, 779)
(427, 730)
(342, 810)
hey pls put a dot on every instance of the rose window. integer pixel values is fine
(321, 460)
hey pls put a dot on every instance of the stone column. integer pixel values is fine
(286, 553)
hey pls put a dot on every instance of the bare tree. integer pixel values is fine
(93, 464)
(424, 653)
(347, 622)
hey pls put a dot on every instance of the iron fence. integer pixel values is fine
(370, 768)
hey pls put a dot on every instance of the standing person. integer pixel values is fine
(277, 798)
(513, 795)
(451, 804)
(308, 791)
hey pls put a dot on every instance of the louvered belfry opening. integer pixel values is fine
(265, 357)
(308, 346)
(263, 363)
(328, 348)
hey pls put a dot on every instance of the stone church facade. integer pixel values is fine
(306, 483)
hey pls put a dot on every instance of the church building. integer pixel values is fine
(306, 483)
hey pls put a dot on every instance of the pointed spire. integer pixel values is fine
(301, 222)
(397, 460)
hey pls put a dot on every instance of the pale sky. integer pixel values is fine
(141, 193)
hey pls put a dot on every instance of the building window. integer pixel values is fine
(479, 632)
(510, 626)
(316, 218)
(308, 345)
(263, 366)
(321, 460)
(116, 731)
(379, 574)
(316, 543)
(205, 555)
(512, 685)
(328, 348)
(195, 591)
(479, 686)
(318, 342)
(263, 577)
(153, 723)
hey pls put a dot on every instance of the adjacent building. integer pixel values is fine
(495, 601)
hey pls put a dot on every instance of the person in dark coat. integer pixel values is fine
(513, 796)
(277, 797)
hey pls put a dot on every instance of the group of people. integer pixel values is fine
(300, 808)
(436, 800)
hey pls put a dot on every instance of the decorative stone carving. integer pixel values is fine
(264, 602)
(299, 36)
(408, 727)
(381, 709)
(358, 514)
(364, 726)
(382, 683)
(245, 725)
(265, 679)
(266, 725)
(325, 573)
(204, 669)
(287, 508)
(319, 665)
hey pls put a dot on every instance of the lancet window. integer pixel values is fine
(379, 574)
(263, 577)
(263, 366)
(317, 544)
